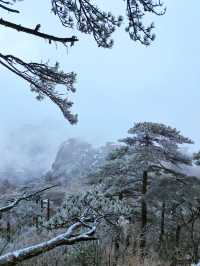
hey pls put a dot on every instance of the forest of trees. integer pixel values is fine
(134, 202)
(138, 203)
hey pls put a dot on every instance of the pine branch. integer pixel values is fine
(43, 80)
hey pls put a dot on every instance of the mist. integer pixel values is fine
(115, 88)
(27, 152)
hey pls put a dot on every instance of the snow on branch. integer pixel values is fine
(74, 234)
(88, 19)
(23, 198)
(43, 80)
(136, 11)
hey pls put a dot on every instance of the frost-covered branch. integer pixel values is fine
(95, 203)
(196, 158)
(89, 19)
(23, 198)
(74, 234)
(43, 80)
(136, 11)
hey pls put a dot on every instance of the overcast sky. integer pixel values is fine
(115, 87)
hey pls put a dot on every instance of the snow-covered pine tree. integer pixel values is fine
(175, 215)
(196, 158)
(151, 148)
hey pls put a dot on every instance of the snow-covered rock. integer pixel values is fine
(75, 160)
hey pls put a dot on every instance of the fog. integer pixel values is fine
(115, 87)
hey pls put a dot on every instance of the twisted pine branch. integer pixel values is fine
(136, 11)
(43, 80)
(89, 19)
(67, 238)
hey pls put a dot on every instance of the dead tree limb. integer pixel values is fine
(67, 238)
(36, 33)
(23, 198)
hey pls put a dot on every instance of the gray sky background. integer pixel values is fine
(115, 88)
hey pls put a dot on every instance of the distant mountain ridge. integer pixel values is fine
(76, 159)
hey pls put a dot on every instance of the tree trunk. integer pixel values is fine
(162, 224)
(178, 231)
(41, 205)
(175, 260)
(8, 231)
(121, 196)
(196, 253)
(143, 213)
(48, 209)
(116, 252)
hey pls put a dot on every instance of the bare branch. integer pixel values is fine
(4, 5)
(9, 9)
(23, 198)
(36, 33)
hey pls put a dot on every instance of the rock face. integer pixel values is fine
(75, 160)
